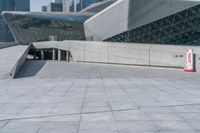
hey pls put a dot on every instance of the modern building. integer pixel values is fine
(44, 9)
(66, 5)
(77, 5)
(98, 7)
(139, 21)
(10, 5)
(5, 35)
(58, 1)
(147, 21)
(86, 3)
(55, 7)
(21, 5)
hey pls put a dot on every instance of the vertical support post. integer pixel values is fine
(59, 55)
(42, 54)
(34, 56)
(67, 56)
(54, 54)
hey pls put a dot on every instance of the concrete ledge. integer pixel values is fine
(6, 44)
(19, 63)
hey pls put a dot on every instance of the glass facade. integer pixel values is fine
(58, 1)
(10, 5)
(182, 28)
(86, 3)
(5, 36)
(55, 7)
(21, 5)
(44, 9)
(81, 4)
(38, 27)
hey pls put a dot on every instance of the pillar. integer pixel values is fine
(59, 55)
(54, 54)
(42, 54)
(67, 56)
(34, 56)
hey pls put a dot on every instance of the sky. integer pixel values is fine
(37, 4)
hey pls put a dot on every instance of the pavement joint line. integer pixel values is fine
(66, 92)
(173, 86)
(4, 125)
(26, 107)
(143, 111)
(96, 112)
(83, 103)
(74, 80)
(38, 130)
(27, 92)
(183, 121)
(109, 104)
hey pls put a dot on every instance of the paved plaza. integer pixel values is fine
(61, 97)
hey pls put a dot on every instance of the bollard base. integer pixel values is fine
(189, 71)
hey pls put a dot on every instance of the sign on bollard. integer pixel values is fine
(190, 61)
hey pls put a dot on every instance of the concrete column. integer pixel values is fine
(59, 55)
(54, 54)
(42, 54)
(34, 56)
(67, 56)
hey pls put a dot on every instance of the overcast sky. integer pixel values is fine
(36, 4)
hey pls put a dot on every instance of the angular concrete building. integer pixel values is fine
(133, 21)
(147, 21)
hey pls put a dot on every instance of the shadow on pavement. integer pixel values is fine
(31, 68)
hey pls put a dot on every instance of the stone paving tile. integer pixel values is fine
(21, 127)
(94, 98)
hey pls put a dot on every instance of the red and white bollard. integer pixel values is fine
(190, 61)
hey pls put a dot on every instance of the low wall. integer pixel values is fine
(6, 44)
(123, 53)
(19, 63)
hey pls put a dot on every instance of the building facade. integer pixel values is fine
(174, 22)
(10, 5)
(4, 30)
(77, 5)
(44, 9)
(142, 21)
(55, 7)
(86, 3)
(21, 5)
(57, 1)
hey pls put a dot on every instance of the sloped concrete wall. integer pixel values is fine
(20, 62)
(109, 22)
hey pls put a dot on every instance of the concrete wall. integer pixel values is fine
(121, 53)
(6, 44)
